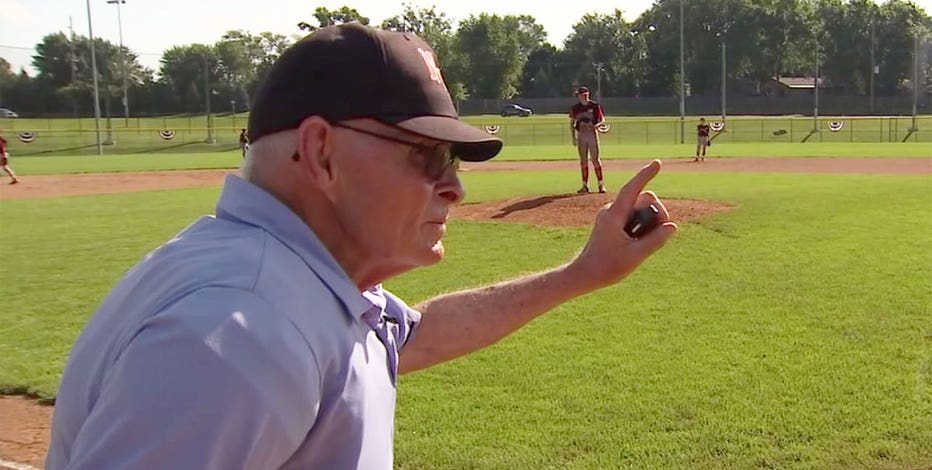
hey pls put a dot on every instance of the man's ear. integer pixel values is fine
(315, 151)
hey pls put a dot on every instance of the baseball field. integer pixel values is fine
(787, 325)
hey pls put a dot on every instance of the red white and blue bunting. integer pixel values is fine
(836, 126)
(167, 134)
(717, 126)
(603, 127)
(26, 137)
(493, 129)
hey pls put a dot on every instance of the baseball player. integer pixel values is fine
(585, 116)
(5, 160)
(243, 142)
(702, 140)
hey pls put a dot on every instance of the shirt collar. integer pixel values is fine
(244, 202)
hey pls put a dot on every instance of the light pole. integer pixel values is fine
(90, 28)
(815, 82)
(682, 81)
(724, 78)
(598, 71)
(873, 67)
(210, 129)
(122, 60)
(915, 77)
(721, 35)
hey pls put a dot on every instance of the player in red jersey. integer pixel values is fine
(702, 140)
(5, 160)
(585, 116)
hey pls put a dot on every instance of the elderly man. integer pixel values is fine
(261, 337)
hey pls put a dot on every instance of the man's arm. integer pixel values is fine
(456, 324)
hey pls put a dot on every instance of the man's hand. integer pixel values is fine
(610, 254)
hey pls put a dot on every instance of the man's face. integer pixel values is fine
(394, 211)
(583, 97)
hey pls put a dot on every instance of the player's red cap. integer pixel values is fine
(582, 90)
(389, 76)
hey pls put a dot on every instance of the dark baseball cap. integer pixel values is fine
(582, 90)
(353, 71)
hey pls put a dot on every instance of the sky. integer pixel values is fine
(150, 26)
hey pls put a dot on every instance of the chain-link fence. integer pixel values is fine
(191, 134)
(743, 129)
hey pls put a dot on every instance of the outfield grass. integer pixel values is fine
(51, 164)
(77, 136)
(791, 332)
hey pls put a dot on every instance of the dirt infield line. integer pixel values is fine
(120, 182)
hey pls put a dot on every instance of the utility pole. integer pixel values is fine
(724, 78)
(74, 66)
(90, 28)
(873, 67)
(598, 72)
(682, 81)
(122, 61)
(815, 110)
(915, 77)
(210, 129)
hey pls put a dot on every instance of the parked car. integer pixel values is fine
(515, 110)
(7, 113)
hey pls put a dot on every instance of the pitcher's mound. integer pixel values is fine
(572, 210)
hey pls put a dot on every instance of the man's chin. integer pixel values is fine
(437, 251)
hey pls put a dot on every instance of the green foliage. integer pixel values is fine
(493, 51)
(501, 57)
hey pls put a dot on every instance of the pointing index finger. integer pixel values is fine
(628, 194)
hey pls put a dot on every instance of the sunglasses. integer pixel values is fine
(436, 159)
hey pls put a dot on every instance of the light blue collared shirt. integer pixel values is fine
(240, 343)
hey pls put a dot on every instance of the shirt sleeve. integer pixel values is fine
(216, 381)
(406, 317)
(599, 115)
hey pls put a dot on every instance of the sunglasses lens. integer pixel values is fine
(438, 164)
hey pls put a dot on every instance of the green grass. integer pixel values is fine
(790, 332)
(140, 135)
(59, 164)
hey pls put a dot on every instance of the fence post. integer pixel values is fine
(852, 131)
(792, 138)
(761, 130)
(533, 134)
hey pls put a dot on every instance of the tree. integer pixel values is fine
(327, 17)
(602, 41)
(540, 77)
(493, 52)
(899, 24)
(184, 69)
(780, 39)
(65, 72)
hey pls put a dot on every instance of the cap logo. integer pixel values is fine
(431, 66)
